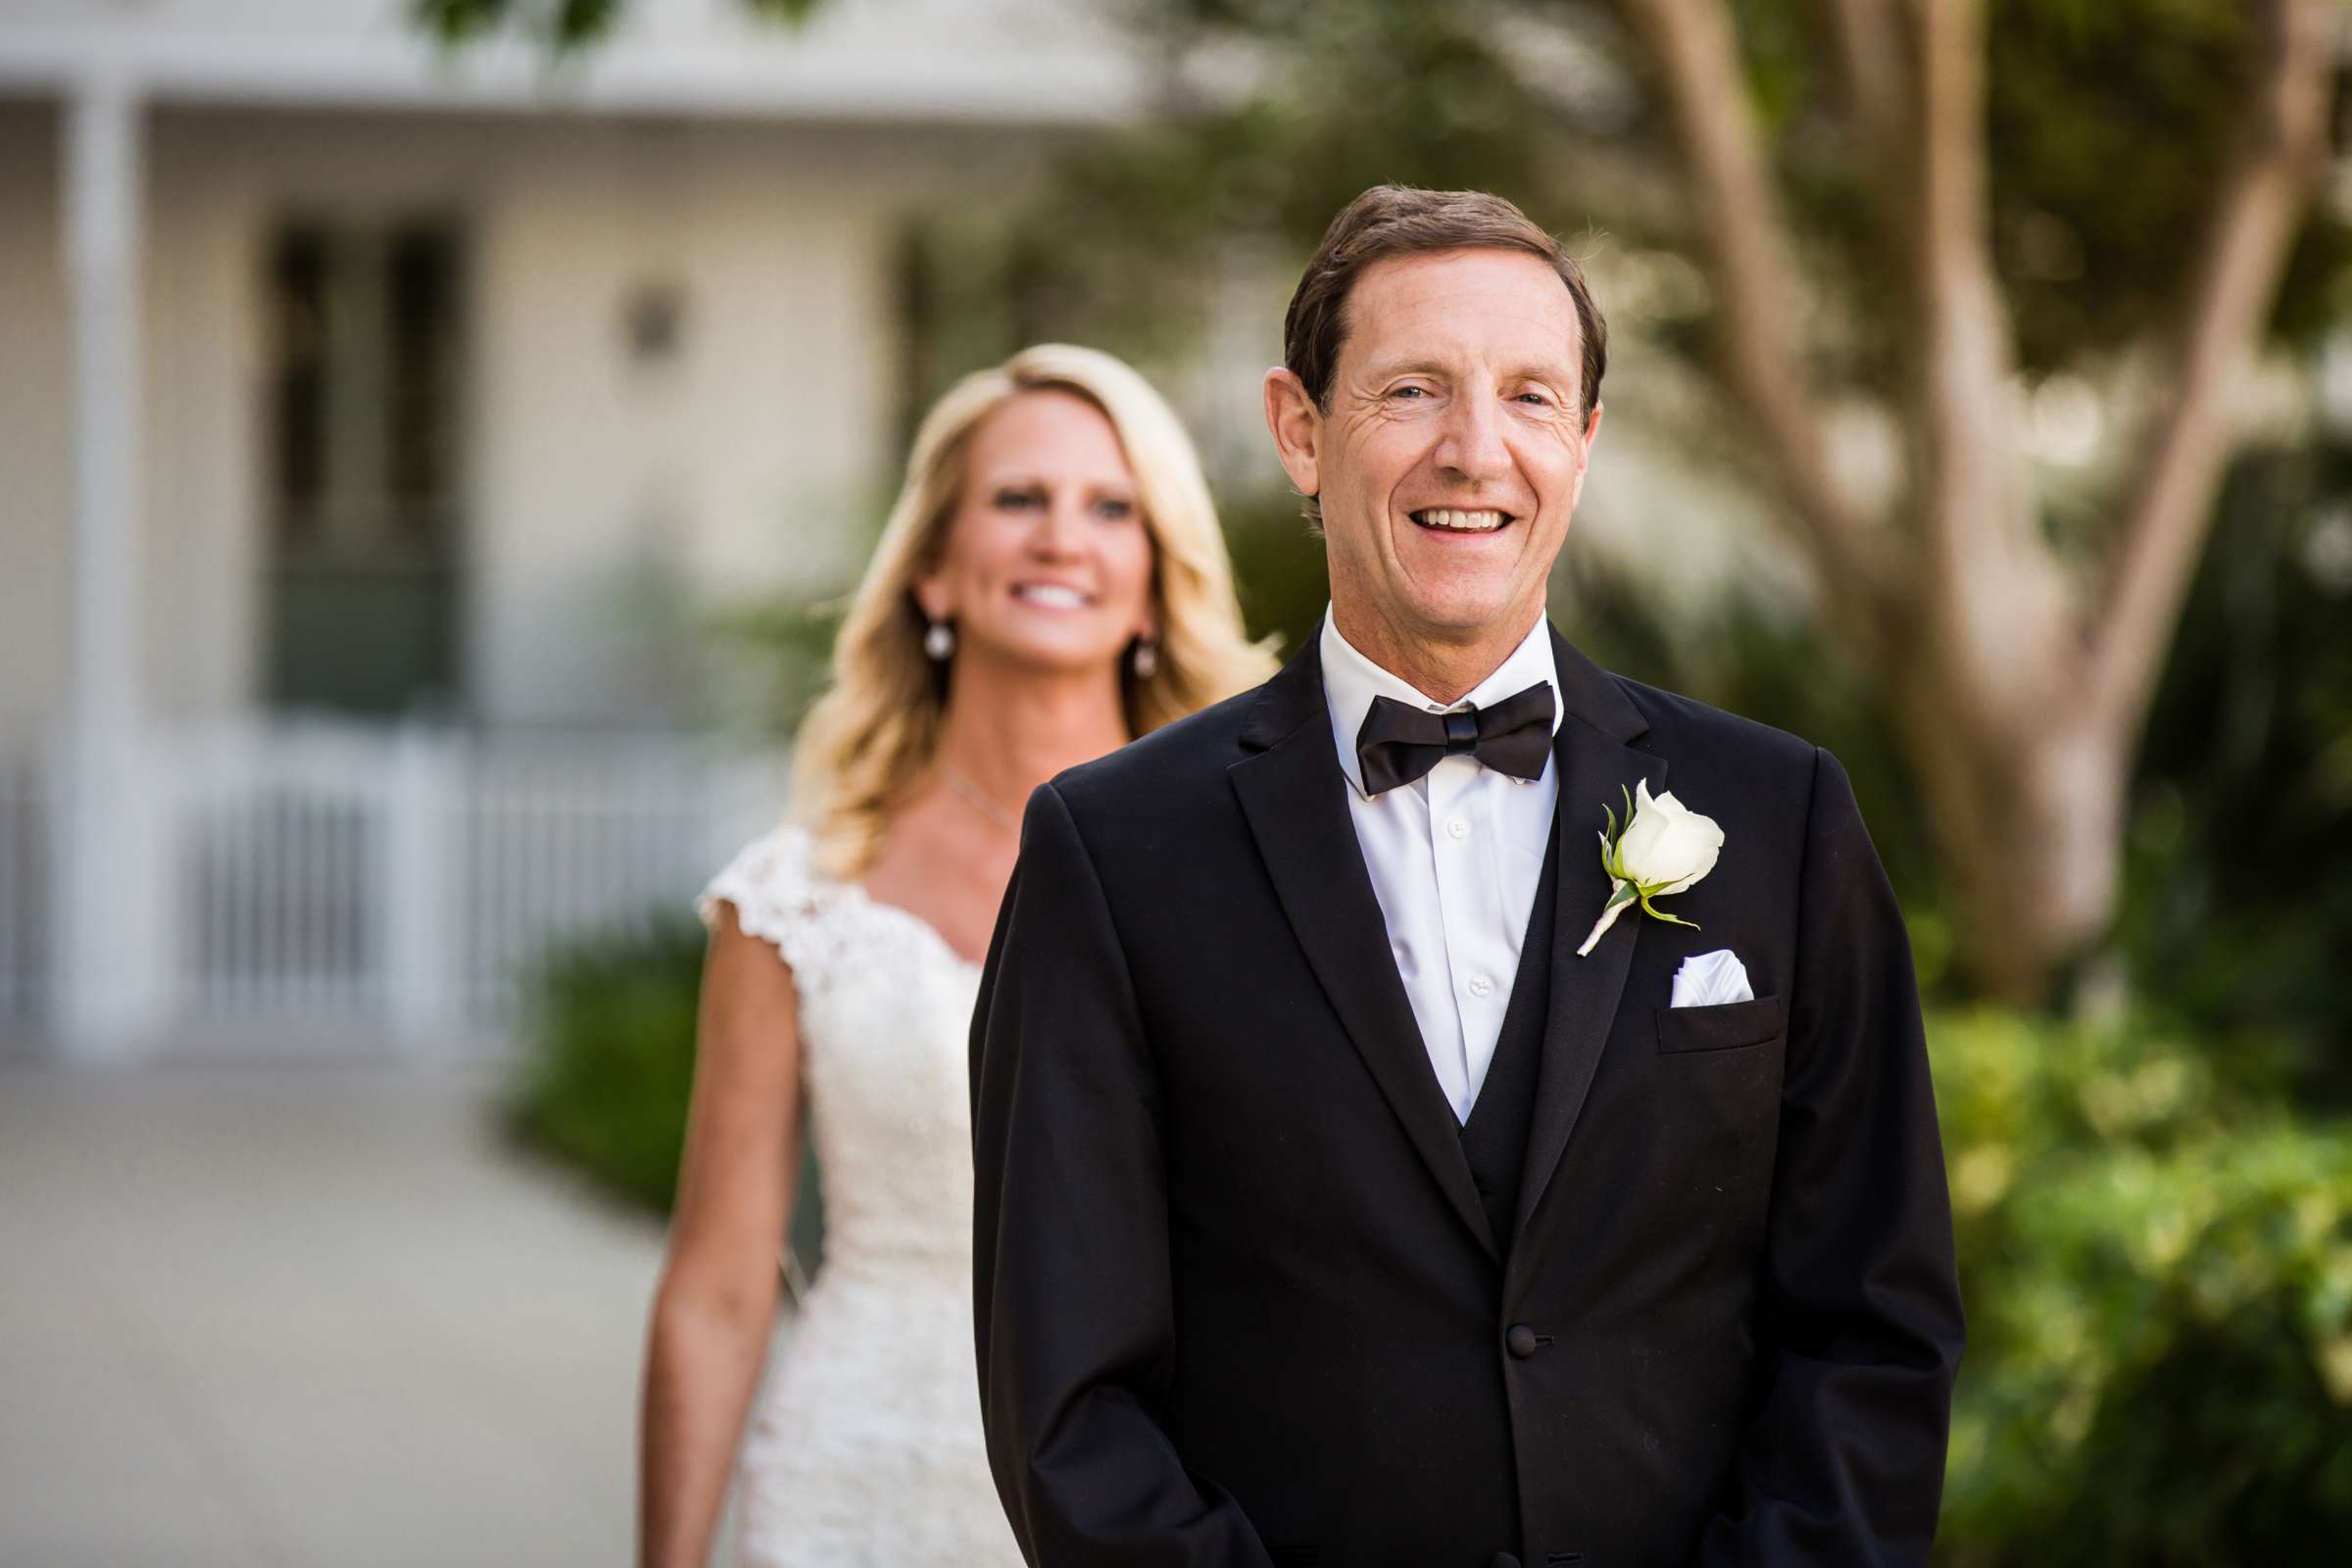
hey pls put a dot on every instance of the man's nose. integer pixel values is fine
(1472, 445)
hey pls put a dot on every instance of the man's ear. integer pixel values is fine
(1297, 425)
(1583, 463)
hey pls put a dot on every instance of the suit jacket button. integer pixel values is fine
(1521, 1340)
(1503, 1559)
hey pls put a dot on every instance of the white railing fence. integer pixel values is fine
(343, 885)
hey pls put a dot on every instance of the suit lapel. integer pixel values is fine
(1594, 764)
(1295, 797)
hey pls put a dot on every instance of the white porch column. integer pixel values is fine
(109, 873)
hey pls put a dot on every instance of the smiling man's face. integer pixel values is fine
(1452, 451)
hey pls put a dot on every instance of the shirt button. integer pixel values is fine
(1457, 827)
(1480, 985)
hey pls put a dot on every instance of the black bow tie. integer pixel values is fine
(1399, 743)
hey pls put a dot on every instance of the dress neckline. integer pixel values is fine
(937, 938)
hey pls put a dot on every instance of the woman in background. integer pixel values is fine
(1050, 584)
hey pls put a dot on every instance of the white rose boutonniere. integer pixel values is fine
(1663, 847)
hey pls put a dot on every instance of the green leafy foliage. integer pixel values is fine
(609, 1068)
(606, 1071)
(2237, 900)
(560, 24)
(2157, 1264)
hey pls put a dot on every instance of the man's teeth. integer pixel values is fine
(1050, 595)
(1461, 521)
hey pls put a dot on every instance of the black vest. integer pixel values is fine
(1495, 1138)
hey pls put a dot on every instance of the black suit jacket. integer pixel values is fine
(1237, 1299)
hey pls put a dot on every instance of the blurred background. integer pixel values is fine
(434, 436)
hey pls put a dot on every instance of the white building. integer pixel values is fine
(363, 413)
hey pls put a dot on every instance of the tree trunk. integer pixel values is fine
(2028, 808)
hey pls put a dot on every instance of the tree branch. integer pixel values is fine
(1995, 584)
(2265, 189)
(1867, 38)
(1745, 242)
(1878, 87)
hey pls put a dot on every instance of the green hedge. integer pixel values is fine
(2157, 1264)
(604, 1081)
(2155, 1255)
(608, 1069)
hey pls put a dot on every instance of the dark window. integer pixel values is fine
(367, 340)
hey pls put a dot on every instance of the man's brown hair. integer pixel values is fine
(1401, 220)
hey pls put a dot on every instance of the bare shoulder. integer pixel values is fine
(744, 971)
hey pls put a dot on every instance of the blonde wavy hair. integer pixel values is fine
(872, 735)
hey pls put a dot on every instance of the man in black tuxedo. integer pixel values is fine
(1331, 1207)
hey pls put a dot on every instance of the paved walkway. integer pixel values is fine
(309, 1316)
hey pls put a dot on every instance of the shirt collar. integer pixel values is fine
(1350, 681)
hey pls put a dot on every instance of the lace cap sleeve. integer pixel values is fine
(781, 900)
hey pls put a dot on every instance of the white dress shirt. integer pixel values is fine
(1454, 857)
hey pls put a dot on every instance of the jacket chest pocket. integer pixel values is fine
(1716, 1081)
(1724, 1026)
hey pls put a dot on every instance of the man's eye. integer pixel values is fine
(1539, 399)
(1410, 392)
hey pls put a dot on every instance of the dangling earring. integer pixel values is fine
(1147, 658)
(939, 641)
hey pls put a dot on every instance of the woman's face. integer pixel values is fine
(1047, 561)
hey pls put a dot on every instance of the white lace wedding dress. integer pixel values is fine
(866, 1448)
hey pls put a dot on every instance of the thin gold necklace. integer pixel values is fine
(979, 802)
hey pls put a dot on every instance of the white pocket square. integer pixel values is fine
(1708, 978)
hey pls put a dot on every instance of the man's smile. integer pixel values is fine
(1454, 519)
